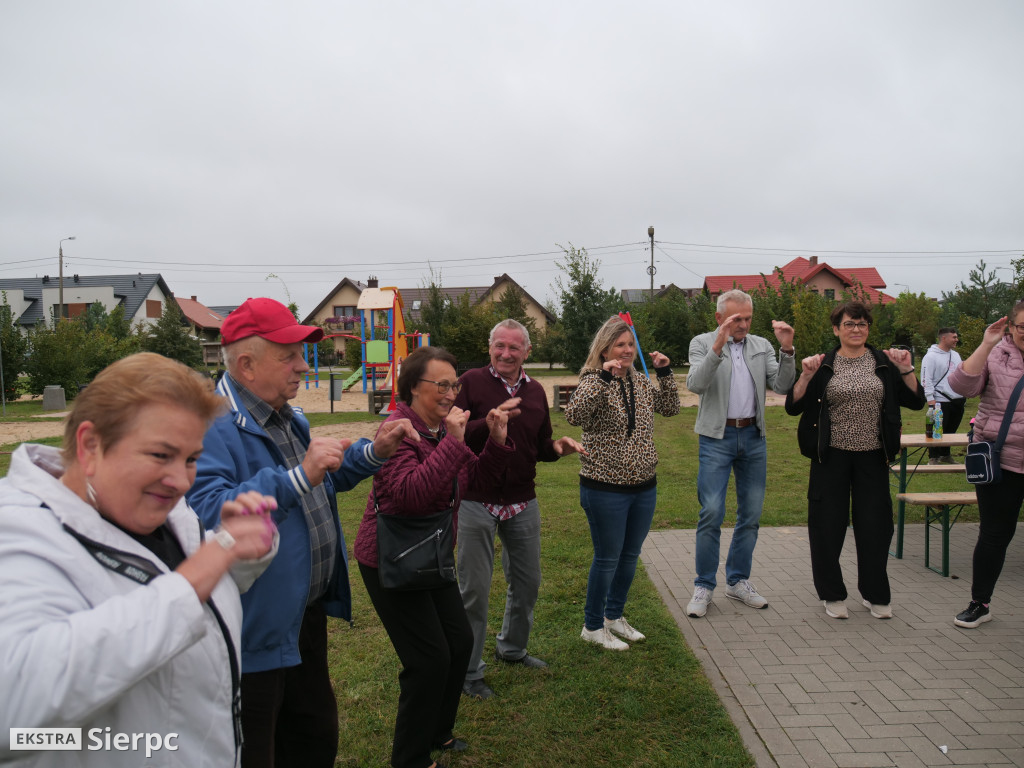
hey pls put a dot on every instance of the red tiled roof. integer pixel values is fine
(200, 314)
(803, 269)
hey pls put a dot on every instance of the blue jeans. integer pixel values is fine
(744, 452)
(619, 523)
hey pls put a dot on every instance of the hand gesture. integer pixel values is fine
(900, 358)
(728, 327)
(455, 423)
(810, 365)
(497, 423)
(323, 455)
(784, 333)
(659, 360)
(615, 366)
(566, 445)
(390, 436)
(511, 407)
(248, 519)
(994, 333)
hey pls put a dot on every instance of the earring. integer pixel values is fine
(90, 494)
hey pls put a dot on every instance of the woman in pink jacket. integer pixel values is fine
(993, 371)
(428, 628)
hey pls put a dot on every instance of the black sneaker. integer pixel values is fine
(976, 613)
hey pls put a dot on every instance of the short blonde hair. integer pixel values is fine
(113, 399)
(606, 335)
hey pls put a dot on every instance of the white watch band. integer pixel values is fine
(225, 539)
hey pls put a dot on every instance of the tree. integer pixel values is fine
(585, 305)
(985, 297)
(511, 305)
(917, 319)
(170, 337)
(59, 356)
(13, 348)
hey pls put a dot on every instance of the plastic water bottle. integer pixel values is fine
(937, 422)
(928, 421)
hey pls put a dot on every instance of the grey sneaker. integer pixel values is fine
(878, 611)
(698, 604)
(836, 609)
(744, 591)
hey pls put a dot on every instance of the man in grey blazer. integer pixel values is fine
(730, 369)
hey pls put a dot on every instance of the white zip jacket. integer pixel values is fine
(82, 645)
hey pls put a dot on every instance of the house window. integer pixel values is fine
(74, 310)
(348, 315)
(830, 294)
(153, 308)
(416, 305)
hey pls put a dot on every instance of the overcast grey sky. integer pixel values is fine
(221, 142)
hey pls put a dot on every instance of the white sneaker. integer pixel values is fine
(698, 604)
(622, 628)
(878, 611)
(836, 609)
(744, 591)
(604, 638)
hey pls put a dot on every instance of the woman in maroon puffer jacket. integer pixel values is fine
(428, 628)
(993, 371)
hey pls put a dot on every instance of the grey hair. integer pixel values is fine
(250, 345)
(735, 295)
(512, 325)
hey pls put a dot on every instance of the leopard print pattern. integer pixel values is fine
(855, 403)
(598, 406)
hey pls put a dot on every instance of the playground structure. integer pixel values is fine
(384, 344)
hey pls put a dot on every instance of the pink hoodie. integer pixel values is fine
(995, 383)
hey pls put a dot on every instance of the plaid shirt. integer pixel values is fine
(508, 511)
(323, 539)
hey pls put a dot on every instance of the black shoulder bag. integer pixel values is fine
(982, 460)
(416, 552)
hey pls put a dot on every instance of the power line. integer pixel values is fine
(815, 251)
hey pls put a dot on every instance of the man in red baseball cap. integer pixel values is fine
(289, 714)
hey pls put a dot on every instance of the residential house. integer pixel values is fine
(338, 311)
(36, 300)
(633, 296)
(204, 323)
(818, 276)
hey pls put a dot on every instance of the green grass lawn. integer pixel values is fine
(649, 706)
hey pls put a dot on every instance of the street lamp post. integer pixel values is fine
(60, 277)
(651, 269)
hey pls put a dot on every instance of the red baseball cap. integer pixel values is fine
(267, 319)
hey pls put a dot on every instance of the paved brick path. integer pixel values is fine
(807, 691)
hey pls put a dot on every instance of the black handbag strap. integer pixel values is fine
(455, 492)
(1011, 406)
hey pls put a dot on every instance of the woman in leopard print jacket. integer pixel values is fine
(615, 406)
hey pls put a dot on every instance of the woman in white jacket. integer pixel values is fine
(119, 614)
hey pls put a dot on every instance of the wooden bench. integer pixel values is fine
(932, 469)
(377, 401)
(562, 394)
(937, 508)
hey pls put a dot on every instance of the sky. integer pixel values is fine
(271, 149)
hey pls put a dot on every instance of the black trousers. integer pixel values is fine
(999, 507)
(952, 415)
(860, 477)
(433, 640)
(290, 715)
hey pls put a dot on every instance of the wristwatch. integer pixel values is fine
(225, 539)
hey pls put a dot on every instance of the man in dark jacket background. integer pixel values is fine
(289, 713)
(509, 510)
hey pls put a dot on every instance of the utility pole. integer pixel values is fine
(651, 269)
(60, 277)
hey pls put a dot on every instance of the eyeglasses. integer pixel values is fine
(860, 326)
(444, 386)
(1018, 326)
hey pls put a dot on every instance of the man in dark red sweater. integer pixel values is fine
(509, 510)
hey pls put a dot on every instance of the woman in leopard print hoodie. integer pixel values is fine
(615, 406)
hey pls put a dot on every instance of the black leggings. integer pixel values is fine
(999, 506)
